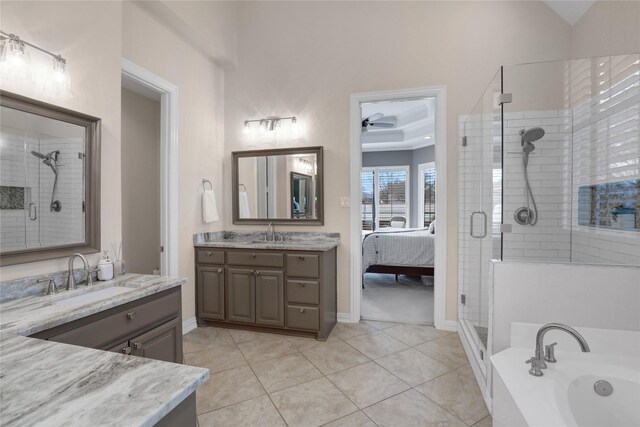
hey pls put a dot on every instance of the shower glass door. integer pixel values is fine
(480, 192)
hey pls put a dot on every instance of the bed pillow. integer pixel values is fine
(432, 227)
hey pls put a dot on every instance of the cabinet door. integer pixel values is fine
(240, 295)
(161, 343)
(269, 297)
(210, 285)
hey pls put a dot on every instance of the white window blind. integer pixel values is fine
(385, 194)
(429, 188)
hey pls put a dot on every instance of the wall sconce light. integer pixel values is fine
(16, 67)
(269, 123)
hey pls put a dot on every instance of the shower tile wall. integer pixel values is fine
(606, 140)
(549, 175)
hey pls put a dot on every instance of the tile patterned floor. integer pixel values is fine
(365, 374)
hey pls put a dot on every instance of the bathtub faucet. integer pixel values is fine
(538, 361)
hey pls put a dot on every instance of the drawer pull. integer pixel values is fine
(301, 257)
(209, 253)
(257, 273)
(131, 315)
(126, 350)
(301, 310)
(219, 271)
(253, 255)
(301, 284)
(137, 345)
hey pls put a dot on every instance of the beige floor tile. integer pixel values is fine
(357, 419)
(208, 337)
(226, 388)
(255, 412)
(192, 347)
(367, 384)
(345, 331)
(334, 357)
(413, 367)
(447, 350)
(379, 325)
(239, 335)
(410, 409)
(216, 359)
(266, 348)
(458, 393)
(285, 372)
(485, 422)
(413, 334)
(376, 344)
(303, 343)
(312, 404)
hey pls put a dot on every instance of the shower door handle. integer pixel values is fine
(33, 211)
(484, 225)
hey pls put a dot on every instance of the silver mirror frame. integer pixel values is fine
(236, 155)
(92, 179)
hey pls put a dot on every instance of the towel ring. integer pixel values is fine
(204, 182)
(243, 186)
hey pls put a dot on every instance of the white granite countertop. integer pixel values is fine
(50, 384)
(292, 240)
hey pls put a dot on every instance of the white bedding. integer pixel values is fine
(410, 247)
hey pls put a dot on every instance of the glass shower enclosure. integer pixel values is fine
(549, 171)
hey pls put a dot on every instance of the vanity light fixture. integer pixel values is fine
(269, 123)
(16, 65)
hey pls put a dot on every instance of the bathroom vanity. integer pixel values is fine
(286, 285)
(68, 358)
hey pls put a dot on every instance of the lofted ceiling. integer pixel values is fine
(414, 125)
(570, 10)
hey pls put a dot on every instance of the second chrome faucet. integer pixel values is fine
(546, 353)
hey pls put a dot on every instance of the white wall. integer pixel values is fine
(306, 58)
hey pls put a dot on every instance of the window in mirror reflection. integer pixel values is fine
(42, 180)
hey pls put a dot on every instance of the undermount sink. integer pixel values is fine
(91, 296)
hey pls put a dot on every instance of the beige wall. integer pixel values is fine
(306, 59)
(140, 182)
(88, 35)
(607, 28)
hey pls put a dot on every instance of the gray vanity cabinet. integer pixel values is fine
(241, 295)
(269, 290)
(211, 292)
(161, 343)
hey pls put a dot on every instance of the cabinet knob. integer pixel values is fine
(302, 284)
(209, 253)
(301, 257)
(126, 350)
(131, 315)
(253, 255)
(301, 310)
(257, 273)
(137, 345)
(219, 271)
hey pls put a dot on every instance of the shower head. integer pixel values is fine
(531, 135)
(528, 147)
(49, 159)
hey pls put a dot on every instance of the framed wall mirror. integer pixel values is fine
(283, 186)
(49, 181)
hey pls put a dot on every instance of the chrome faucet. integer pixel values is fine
(538, 361)
(71, 280)
(271, 232)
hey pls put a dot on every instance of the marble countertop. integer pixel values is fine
(49, 383)
(292, 240)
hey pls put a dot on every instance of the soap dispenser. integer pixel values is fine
(105, 267)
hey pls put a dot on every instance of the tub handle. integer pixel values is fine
(549, 353)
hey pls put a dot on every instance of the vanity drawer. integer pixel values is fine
(209, 256)
(302, 265)
(133, 318)
(302, 291)
(255, 259)
(299, 317)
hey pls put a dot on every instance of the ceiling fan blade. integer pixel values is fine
(382, 124)
(374, 117)
(38, 155)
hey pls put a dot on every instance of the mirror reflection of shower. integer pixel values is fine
(525, 215)
(51, 160)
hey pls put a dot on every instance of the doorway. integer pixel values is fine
(155, 154)
(385, 211)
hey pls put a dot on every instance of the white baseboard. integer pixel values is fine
(344, 318)
(450, 325)
(189, 325)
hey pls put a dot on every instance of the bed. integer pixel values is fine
(408, 251)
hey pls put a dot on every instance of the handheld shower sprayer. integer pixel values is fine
(51, 160)
(525, 215)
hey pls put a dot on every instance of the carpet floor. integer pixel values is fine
(405, 301)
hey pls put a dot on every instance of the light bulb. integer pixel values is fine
(16, 52)
(245, 128)
(59, 72)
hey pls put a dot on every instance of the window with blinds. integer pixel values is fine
(429, 206)
(385, 194)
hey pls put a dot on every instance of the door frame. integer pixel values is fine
(168, 160)
(421, 168)
(440, 279)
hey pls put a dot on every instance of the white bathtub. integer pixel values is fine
(564, 395)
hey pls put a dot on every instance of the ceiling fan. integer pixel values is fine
(374, 121)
